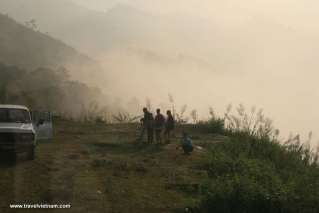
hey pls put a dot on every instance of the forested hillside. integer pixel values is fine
(43, 73)
(48, 89)
(29, 49)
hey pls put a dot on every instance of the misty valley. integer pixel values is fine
(159, 106)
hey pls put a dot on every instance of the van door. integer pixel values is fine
(42, 122)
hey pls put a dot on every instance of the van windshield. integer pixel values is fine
(14, 116)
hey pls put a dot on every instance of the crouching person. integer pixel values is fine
(186, 143)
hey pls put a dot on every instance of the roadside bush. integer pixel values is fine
(214, 125)
(251, 122)
(252, 174)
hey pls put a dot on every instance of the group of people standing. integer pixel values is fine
(159, 125)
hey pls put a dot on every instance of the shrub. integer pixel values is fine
(214, 125)
(253, 123)
(252, 174)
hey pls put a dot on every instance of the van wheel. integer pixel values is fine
(31, 154)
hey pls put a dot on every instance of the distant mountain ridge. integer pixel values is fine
(96, 32)
(29, 49)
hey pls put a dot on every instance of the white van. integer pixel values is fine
(17, 133)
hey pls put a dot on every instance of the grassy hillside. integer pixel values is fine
(101, 168)
(29, 49)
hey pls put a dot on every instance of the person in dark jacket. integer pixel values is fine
(159, 123)
(147, 125)
(169, 125)
(186, 143)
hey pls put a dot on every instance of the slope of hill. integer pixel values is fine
(98, 32)
(29, 49)
(48, 89)
(101, 168)
(133, 31)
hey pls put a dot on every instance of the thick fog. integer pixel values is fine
(204, 53)
(259, 53)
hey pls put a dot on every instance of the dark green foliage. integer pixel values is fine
(45, 89)
(251, 174)
(214, 125)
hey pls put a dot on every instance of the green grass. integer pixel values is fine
(252, 171)
(101, 168)
(251, 174)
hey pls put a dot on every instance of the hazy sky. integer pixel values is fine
(294, 13)
(277, 68)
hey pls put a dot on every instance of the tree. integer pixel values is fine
(32, 24)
